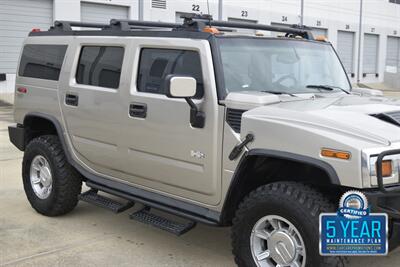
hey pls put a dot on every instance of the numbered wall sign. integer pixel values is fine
(195, 7)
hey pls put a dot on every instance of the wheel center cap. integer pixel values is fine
(282, 248)
(45, 177)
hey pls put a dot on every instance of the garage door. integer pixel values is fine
(17, 19)
(393, 54)
(99, 13)
(370, 56)
(345, 49)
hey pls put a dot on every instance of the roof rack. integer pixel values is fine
(191, 22)
(126, 25)
(290, 30)
(63, 25)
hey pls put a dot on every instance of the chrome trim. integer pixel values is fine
(368, 160)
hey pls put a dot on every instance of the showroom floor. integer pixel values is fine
(91, 236)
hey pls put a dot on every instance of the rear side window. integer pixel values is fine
(100, 66)
(42, 61)
(155, 64)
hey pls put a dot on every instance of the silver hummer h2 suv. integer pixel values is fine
(208, 123)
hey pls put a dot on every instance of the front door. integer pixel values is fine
(164, 152)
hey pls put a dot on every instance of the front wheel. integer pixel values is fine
(278, 225)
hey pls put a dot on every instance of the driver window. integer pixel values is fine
(156, 64)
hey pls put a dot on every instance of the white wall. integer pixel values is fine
(173, 6)
(71, 10)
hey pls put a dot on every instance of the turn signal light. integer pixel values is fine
(330, 153)
(387, 168)
(211, 30)
(35, 30)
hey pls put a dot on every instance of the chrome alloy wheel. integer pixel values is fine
(276, 242)
(40, 176)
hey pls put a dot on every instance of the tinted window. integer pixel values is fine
(283, 66)
(155, 64)
(42, 61)
(100, 66)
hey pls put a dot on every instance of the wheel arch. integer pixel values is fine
(36, 124)
(258, 167)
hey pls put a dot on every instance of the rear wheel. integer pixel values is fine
(278, 225)
(51, 184)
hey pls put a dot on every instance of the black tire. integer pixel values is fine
(67, 182)
(297, 203)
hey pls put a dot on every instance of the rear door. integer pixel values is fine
(91, 101)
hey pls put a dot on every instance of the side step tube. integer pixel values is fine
(162, 223)
(144, 215)
(94, 198)
(152, 204)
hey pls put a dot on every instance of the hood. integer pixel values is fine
(373, 119)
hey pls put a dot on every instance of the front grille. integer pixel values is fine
(390, 117)
(159, 4)
(234, 118)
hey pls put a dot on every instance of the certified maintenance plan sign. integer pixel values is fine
(353, 230)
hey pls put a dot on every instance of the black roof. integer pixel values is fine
(192, 27)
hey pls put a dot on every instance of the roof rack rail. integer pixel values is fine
(63, 25)
(290, 30)
(125, 24)
(195, 21)
(191, 22)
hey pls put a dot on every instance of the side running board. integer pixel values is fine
(143, 215)
(162, 223)
(94, 198)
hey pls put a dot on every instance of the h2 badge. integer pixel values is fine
(353, 230)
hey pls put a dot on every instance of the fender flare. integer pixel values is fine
(333, 177)
(324, 166)
(59, 129)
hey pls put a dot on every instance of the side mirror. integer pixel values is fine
(185, 87)
(180, 86)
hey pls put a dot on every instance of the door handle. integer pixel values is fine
(138, 110)
(71, 100)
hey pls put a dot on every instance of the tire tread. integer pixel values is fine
(313, 202)
(69, 181)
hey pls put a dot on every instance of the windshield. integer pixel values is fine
(281, 66)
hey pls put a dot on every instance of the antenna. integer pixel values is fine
(208, 11)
